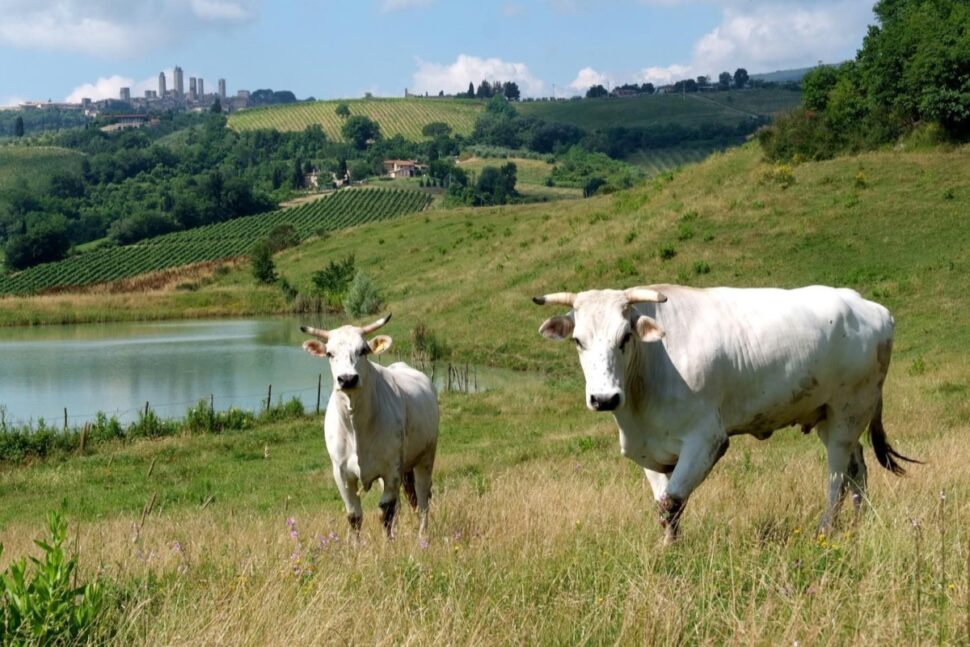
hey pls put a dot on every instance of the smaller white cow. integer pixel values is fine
(381, 423)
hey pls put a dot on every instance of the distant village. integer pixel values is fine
(175, 97)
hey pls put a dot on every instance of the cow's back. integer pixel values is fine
(764, 349)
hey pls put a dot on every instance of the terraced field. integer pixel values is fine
(228, 239)
(404, 117)
(34, 164)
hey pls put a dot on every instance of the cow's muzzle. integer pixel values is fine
(348, 381)
(604, 402)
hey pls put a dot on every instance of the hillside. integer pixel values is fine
(34, 164)
(690, 110)
(219, 241)
(404, 117)
(541, 533)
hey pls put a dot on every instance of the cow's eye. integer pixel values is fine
(579, 344)
(364, 350)
(329, 354)
(625, 339)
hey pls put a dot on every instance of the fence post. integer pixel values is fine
(212, 412)
(269, 397)
(146, 409)
(84, 433)
(319, 386)
(65, 418)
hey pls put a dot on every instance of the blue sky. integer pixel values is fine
(58, 49)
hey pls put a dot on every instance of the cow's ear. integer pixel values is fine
(649, 330)
(379, 344)
(315, 347)
(557, 328)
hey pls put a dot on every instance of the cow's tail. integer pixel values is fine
(409, 489)
(885, 453)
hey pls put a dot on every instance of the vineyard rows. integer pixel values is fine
(223, 240)
(658, 160)
(404, 117)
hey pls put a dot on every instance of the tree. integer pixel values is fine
(282, 236)
(18, 127)
(724, 81)
(43, 242)
(216, 107)
(817, 84)
(359, 130)
(511, 90)
(740, 78)
(596, 91)
(436, 129)
(362, 297)
(484, 90)
(264, 269)
(471, 90)
(343, 110)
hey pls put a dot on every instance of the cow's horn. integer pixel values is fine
(316, 332)
(556, 299)
(643, 295)
(369, 328)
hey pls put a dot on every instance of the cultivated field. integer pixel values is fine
(396, 116)
(229, 239)
(531, 176)
(33, 165)
(691, 110)
(658, 160)
(541, 533)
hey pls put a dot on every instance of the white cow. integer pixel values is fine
(683, 369)
(381, 423)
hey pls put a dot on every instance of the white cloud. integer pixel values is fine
(763, 36)
(588, 77)
(432, 77)
(114, 28)
(388, 6)
(11, 102)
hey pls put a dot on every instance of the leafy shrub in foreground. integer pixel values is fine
(43, 606)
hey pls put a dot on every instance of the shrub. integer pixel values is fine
(264, 269)
(282, 236)
(667, 252)
(362, 297)
(46, 606)
(333, 280)
(426, 345)
(780, 174)
(701, 267)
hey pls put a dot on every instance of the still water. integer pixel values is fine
(118, 367)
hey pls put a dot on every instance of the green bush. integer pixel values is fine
(426, 345)
(43, 605)
(362, 297)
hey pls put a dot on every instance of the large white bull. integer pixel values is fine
(683, 369)
(381, 423)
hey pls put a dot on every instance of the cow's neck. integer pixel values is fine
(360, 406)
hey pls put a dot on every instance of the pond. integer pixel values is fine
(116, 368)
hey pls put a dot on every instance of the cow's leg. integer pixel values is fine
(347, 484)
(857, 477)
(422, 489)
(699, 454)
(658, 483)
(388, 503)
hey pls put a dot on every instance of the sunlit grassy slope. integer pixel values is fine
(541, 532)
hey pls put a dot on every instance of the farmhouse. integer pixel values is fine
(402, 168)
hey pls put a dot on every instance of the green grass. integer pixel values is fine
(33, 165)
(692, 110)
(396, 116)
